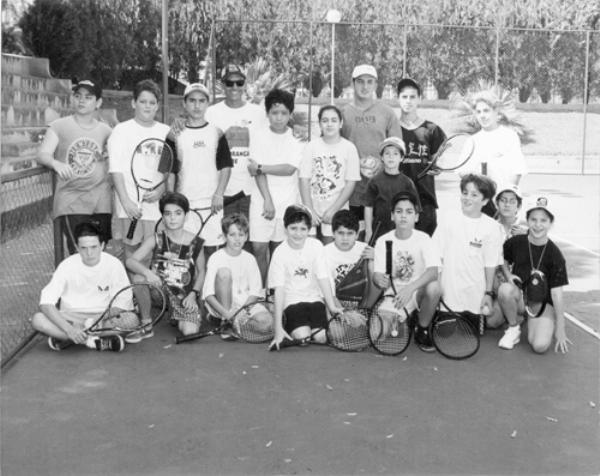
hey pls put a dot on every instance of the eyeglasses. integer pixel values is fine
(239, 83)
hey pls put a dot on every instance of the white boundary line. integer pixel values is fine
(581, 325)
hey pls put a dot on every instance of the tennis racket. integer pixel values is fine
(456, 335)
(348, 331)
(390, 329)
(118, 321)
(454, 152)
(252, 323)
(151, 162)
(354, 286)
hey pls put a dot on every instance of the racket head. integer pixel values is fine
(454, 152)
(129, 320)
(253, 323)
(151, 163)
(349, 331)
(535, 293)
(390, 330)
(455, 335)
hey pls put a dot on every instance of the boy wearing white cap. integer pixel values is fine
(202, 164)
(384, 186)
(367, 122)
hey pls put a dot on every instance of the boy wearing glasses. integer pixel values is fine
(235, 117)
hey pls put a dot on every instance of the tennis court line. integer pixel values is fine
(582, 326)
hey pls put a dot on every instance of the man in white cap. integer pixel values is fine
(236, 117)
(366, 123)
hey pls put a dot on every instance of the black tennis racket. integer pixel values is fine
(454, 152)
(121, 316)
(151, 163)
(252, 323)
(354, 286)
(390, 329)
(456, 335)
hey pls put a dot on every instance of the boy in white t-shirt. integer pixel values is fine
(232, 276)
(84, 283)
(276, 154)
(345, 251)
(470, 245)
(415, 264)
(121, 145)
(202, 164)
(302, 287)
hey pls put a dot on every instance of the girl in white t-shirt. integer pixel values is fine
(329, 171)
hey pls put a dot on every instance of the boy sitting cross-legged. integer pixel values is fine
(301, 282)
(415, 264)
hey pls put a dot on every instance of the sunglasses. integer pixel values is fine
(239, 83)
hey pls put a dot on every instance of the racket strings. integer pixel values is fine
(388, 334)
(455, 337)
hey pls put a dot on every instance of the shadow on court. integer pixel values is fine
(211, 407)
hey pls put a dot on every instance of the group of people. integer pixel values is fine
(292, 218)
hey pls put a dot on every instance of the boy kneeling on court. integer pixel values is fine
(298, 273)
(176, 264)
(84, 283)
(534, 257)
(233, 279)
(413, 285)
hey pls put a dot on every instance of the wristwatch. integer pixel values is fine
(259, 170)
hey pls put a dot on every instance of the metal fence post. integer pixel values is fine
(585, 98)
(59, 246)
(497, 57)
(310, 78)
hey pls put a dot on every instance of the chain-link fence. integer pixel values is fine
(27, 258)
(554, 75)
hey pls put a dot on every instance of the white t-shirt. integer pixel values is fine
(410, 257)
(246, 280)
(340, 262)
(236, 123)
(467, 246)
(297, 271)
(501, 150)
(329, 166)
(198, 175)
(83, 288)
(269, 148)
(122, 142)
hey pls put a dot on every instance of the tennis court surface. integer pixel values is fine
(211, 407)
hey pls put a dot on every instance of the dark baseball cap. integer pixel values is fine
(406, 195)
(230, 70)
(92, 87)
(408, 83)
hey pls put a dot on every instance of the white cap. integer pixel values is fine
(190, 88)
(364, 69)
(509, 188)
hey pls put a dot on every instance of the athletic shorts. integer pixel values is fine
(311, 314)
(143, 230)
(387, 304)
(324, 228)
(211, 233)
(69, 222)
(78, 319)
(239, 205)
(263, 230)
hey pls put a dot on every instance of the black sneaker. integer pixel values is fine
(423, 339)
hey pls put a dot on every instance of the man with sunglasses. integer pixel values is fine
(235, 117)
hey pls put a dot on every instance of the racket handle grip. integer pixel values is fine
(187, 338)
(131, 230)
(388, 257)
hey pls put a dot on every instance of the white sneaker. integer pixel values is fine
(511, 337)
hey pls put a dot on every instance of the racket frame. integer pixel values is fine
(138, 187)
(477, 329)
(432, 165)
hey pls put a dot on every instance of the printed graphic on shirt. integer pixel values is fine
(301, 271)
(341, 271)
(103, 288)
(369, 166)
(404, 266)
(326, 172)
(238, 139)
(82, 156)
